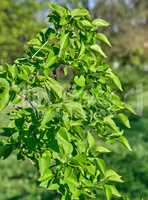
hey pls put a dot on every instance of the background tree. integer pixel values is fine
(19, 21)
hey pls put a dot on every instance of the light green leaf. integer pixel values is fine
(58, 9)
(125, 142)
(86, 23)
(124, 119)
(130, 109)
(91, 140)
(98, 49)
(108, 192)
(102, 149)
(80, 12)
(44, 162)
(63, 43)
(56, 87)
(4, 93)
(114, 191)
(103, 38)
(115, 79)
(48, 116)
(111, 190)
(53, 186)
(101, 165)
(51, 59)
(82, 51)
(80, 81)
(63, 141)
(111, 175)
(100, 23)
(75, 108)
(109, 121)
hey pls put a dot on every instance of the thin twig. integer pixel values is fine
(39, 49)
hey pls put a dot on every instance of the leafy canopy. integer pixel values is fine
(63, 108)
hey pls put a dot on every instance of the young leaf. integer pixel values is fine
(124, 119)
(114, 191)
(98, 49)
(48, 116)
(101, 165)
(112, 176)
(80, 12)
(115, 79)
(109, 121)
(125, 142)
(102, 149)
(103, 38)
(91, 140)
(55, 86)
(58, 9)
(44, 162)
(75, 108)
(80, 81)
(63, 43)
(100, 23)
(108, 192)
(63, 141)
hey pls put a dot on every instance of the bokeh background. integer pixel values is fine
(20, 20)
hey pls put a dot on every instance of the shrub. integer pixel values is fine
(63, 108)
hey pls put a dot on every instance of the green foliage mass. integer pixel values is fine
(63, 128)
(19, 21)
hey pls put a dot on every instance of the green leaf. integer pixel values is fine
(125, 142)
(111, 175)
(80, 12)
(124, 119)
(48, 116)
(56, 87)
(80, 81)
(108, 192)
(111, 190)
(58, 9)
(4, 93)
(109, 121)
(91, 140)
(53, 186)
(75, 108)
(82, 51)
(100, 23)
(63, 43)
(115, 79)
(86, 23)
(102, 149)
(114, 191)
(101, 165)
(44, 162)
(51, 59)
(130, 109)
(98, 49)
(63, 141)
(103, 38)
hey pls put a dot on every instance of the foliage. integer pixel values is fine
(19, 21)
(65, 128)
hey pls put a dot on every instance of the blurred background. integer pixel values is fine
(20, 20)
